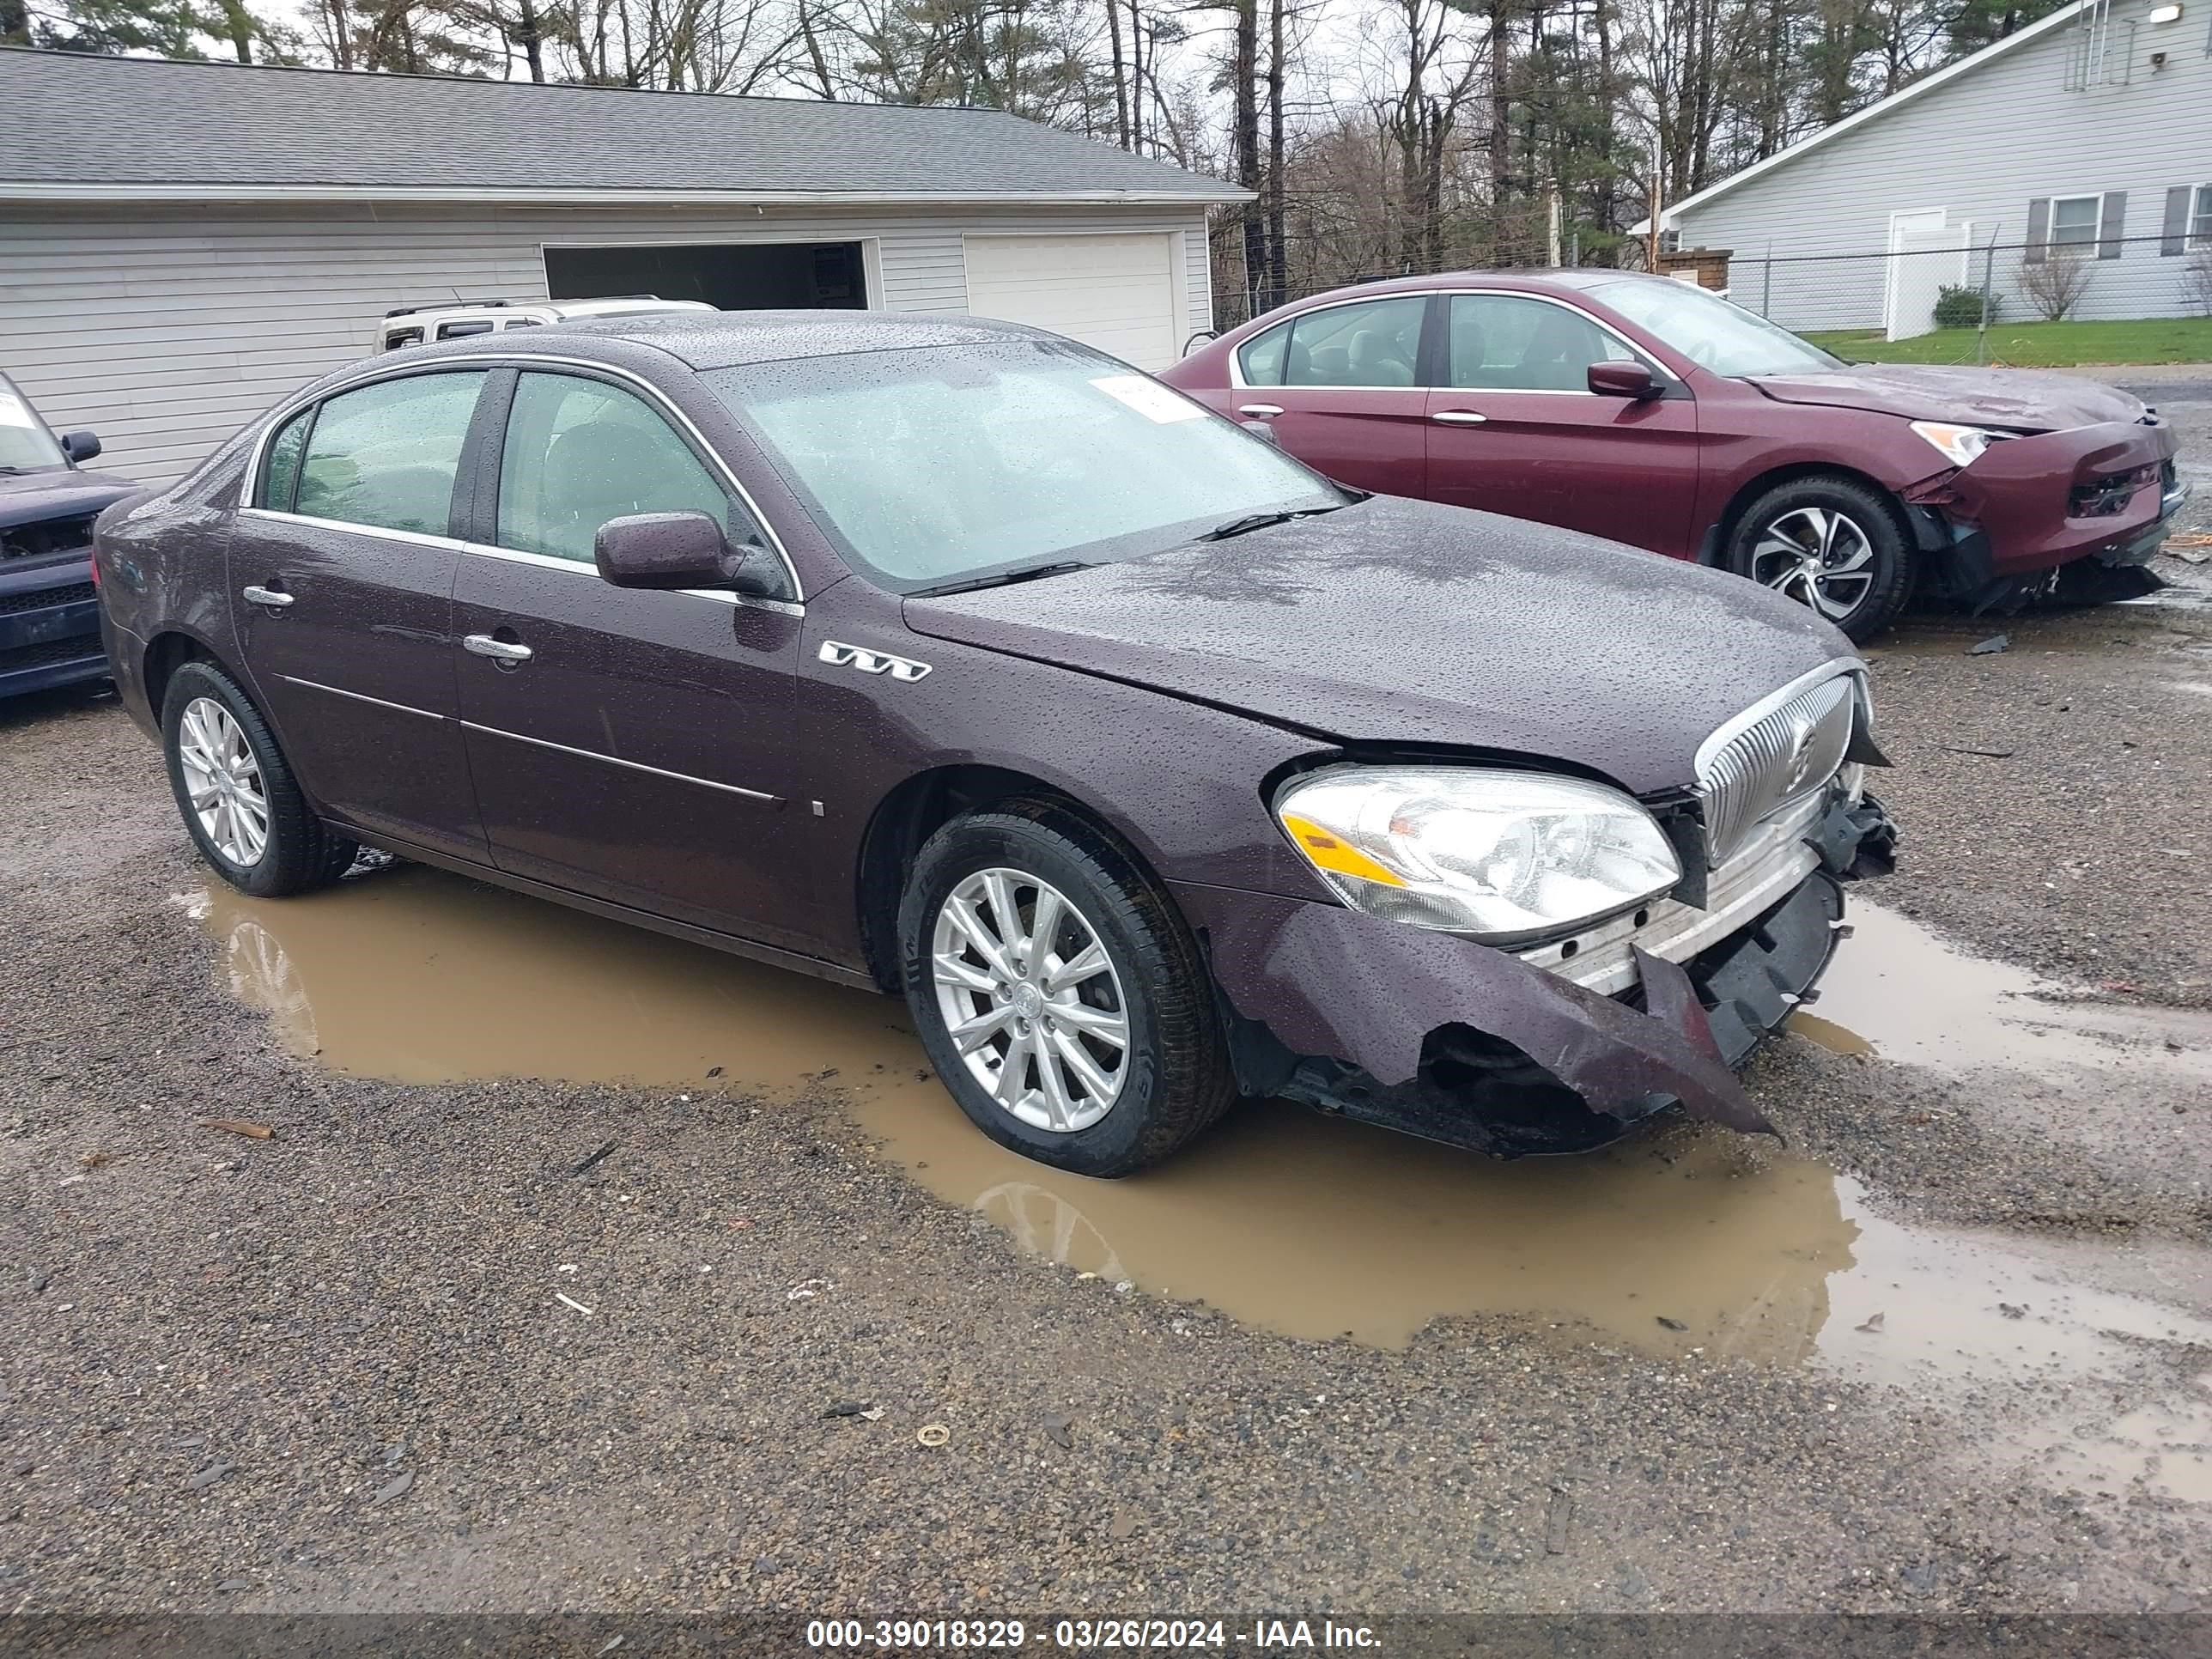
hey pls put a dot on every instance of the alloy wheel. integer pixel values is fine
(223, 778)
(1031, 999)
(1818, 556)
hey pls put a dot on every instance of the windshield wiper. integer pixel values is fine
(1002, 578)
(1222, 533)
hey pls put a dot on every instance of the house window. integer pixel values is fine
(2200, 218)
(2074, 220)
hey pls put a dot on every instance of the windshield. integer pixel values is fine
(941, 464)
(25, 443)
(1710, 331)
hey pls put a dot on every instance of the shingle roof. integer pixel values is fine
(121, 126)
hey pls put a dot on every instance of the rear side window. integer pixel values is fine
(1374, 343)
(280, 472)
(386, 455)
(401, 336)
(581, 452)
(462, 331)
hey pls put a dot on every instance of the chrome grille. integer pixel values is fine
(1775, 752)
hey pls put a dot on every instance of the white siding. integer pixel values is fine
(165, 329)
(1980, 147)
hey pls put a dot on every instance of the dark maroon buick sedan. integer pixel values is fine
(950, 658)
(1653, 412)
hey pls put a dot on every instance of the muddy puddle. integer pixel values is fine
(1306, 1225)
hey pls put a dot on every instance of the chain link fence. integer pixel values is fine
(2103, 300)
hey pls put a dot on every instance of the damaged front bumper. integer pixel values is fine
(1454, 1040)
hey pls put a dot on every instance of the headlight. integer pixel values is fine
(1502, 855)
(1959, 444)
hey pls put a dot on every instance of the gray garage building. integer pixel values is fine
(181, 244)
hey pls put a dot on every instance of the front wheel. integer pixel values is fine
(1060, 997)
(1834, 544)
(243, 809)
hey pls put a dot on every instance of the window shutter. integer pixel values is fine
(2112, 225)
(2038, 229)
(2175, 234)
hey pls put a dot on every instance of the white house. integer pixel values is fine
(2083, 139)
(182, 243)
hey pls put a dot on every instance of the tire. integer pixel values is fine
(206, 719)
(1168, 1079)
(1868, 571)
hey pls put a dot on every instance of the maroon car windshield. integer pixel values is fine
(941, 464)
(1712, 332)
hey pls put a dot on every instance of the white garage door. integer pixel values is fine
(1117, 293)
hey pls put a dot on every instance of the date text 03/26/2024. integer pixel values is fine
(1257, 1636)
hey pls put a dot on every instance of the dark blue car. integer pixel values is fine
(48, 611)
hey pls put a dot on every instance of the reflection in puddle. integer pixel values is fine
(1898, 990)
(1304, 1224)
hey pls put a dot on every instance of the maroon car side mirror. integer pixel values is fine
(1622, 379)
(675, 549)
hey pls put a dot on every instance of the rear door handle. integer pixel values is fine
(274, 599)
(498, 650)
(1459, 418)
(1261, 411)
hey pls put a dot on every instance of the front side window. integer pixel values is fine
(25, 445)
(280, 470)
(1714, 333)
(386, 455)
(579, 452)
(1507, 343)
(2074, 221)
(942, 463)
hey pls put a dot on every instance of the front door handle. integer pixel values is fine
(498, 650)
(1261, 411)
(1459, 418)
(275, 597)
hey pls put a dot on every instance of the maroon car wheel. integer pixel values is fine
(1833, 544)
(240, 802)
(1060, 997)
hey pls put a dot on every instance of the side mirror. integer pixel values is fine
(80, 445)
(675, 549)
(1622, 379)
(1262, 430)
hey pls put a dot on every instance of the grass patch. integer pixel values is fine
(2036, 345)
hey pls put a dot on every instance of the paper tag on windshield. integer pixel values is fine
(1149, 397)
(14, 412)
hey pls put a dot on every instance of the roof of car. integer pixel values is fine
(132, 128)
(732, 339)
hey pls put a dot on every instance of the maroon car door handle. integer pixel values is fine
(1261, 411)
(1458, 417)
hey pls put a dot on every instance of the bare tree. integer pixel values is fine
(2054, 285)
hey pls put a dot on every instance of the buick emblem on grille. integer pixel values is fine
(871, 662)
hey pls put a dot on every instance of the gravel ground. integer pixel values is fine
(326, 1371)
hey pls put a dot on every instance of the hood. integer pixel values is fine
(1404, 621)
(58, 493)
(2024, 399)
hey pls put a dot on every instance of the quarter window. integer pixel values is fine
(1261, 358)
(580, 453)
(280, 472)
(385, 455)
(1500, 341)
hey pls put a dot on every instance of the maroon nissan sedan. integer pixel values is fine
(951, 658)
(1650, 411)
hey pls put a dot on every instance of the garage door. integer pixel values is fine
(1117, 293)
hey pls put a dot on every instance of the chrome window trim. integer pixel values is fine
(380, 368)
(362, 696)
(617, 760)
(1666, 375)
(577, 568)
(415, 538)
(1734, 727)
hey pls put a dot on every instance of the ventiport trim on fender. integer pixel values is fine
(871, 662)
(617, 760)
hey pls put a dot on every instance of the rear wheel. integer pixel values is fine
(1060, 997)
(1834, 544)
(240, 802)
